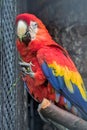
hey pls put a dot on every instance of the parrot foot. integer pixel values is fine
(27, 68)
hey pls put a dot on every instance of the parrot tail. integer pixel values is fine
(64, 103)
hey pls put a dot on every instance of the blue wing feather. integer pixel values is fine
(50, 76)
(59, 85)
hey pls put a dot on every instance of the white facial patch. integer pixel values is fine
(33, 28)
(21, 28)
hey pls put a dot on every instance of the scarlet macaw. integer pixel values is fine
(49, 71)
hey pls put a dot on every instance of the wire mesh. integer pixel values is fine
(0, 71)
(8, 66)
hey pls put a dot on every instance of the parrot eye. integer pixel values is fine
(34, 25)
(33, 28)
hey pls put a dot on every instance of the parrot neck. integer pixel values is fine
(42, 39)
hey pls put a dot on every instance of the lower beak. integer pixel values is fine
(25, 39)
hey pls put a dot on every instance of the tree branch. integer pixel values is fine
(56, 116)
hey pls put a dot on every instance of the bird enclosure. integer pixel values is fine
(67, 24)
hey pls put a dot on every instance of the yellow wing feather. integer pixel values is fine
(69, 78)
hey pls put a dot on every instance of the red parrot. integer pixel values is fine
(48, 69)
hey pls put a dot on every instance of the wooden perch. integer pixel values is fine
(56, 116)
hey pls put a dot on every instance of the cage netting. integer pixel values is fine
(8, 66)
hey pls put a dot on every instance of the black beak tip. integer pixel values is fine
(26, 40)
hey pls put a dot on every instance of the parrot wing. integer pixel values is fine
(63, 75)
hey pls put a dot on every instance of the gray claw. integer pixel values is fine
(27, 69)
(25, 64)
(31, 74)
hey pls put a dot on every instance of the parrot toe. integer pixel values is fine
(26, 68)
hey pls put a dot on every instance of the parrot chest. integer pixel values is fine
(39, 82)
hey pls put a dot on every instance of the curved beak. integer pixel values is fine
(26, 38)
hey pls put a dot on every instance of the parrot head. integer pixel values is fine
(30, 28)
